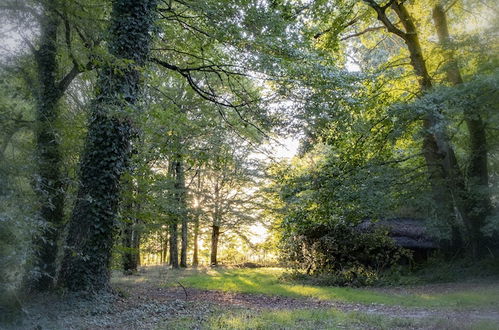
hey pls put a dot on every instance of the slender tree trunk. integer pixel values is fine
(87, 255)
(161, 251)
(215, 234)
(182, 209)
(136, 248)
(164, 247)
(195, 255)
(48, 181)
(131, 242)
(478, 197)
(173, 226)
(174, 245)
(130, 233)
(183, 250)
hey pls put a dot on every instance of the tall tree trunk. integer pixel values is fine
(215, 234)
(173, 261)
(182, 208)
(173, 226)
(131, 242)
(195, 254)
(48, 182)
(161, 251)
(87, 255)
(130, 233)
(478, 197)
(183, 248)
(136, 248)
(164, 246)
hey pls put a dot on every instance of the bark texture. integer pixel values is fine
(87, 254)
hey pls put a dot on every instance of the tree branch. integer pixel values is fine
(362, 32)
(381, 12)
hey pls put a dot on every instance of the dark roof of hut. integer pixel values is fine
(406, 232)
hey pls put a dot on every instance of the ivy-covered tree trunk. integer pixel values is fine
(87, 254)
(478, 197)
(48, 181)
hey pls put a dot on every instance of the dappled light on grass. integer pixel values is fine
(266, 281)
(318, 319)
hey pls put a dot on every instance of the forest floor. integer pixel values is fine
(161, 298)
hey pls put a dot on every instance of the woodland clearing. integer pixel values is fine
(161, 298)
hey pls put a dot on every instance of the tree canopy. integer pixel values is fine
(135, 130)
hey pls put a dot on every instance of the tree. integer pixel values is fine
(130, 234)
(354, 28)
(16, 171)
(52, 79)
(197, 214)
(227, 186)
(444, 172)
(87, 254)
(173, 227)
(477, 199)
(182, 205)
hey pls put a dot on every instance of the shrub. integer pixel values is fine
(341, 255)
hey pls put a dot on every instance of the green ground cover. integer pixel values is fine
(267, 281)
(316, 319)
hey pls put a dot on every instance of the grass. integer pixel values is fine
(437, 270)
(313, 319)
(266, 281)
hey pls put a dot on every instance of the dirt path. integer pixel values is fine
(266, 302)
(144, 303)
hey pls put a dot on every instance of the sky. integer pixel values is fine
(285, 148)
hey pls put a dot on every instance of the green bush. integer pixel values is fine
(338, 254)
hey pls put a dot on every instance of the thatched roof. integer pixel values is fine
(406, 232)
